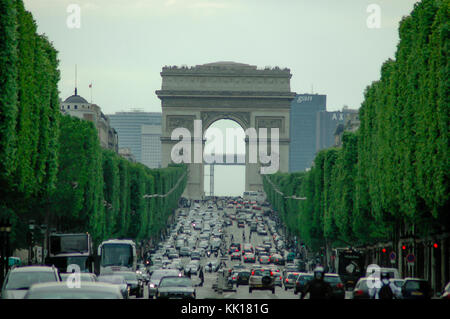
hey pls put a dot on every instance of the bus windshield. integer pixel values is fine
(117, 255)
(69, 244)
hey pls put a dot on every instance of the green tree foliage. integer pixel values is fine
(52, 168)
(392, 174)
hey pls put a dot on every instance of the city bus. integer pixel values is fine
(70, 249)
(117, 255)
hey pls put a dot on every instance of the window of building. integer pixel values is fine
(75, 107)
(68, 106)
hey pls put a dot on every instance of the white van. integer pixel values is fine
(375, 271)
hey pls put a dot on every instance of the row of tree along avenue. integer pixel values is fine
(52, 168)
(387, 188)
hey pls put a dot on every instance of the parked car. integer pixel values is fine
(20, 279)
(416, 288)
(175, 287)
(87, 290)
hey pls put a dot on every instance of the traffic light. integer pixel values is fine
(436, 245)
(384, 250)
(403, 247)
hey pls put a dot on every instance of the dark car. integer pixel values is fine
(336, 284)
(416, 288)
(242, 277)
(249, 258)
(136, 286)
(301, 281)
(175, 287)
(235, 256)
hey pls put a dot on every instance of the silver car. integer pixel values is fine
(19, 280)
(87, 290)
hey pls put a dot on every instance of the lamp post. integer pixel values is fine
(30, 239)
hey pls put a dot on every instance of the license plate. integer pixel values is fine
(416, 293)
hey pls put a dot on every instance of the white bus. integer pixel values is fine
(117, 255)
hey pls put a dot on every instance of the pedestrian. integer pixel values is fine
(202, 277)
(189, 273)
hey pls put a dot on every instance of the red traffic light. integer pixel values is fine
(404, 247)
(383, 250)
(435, 245)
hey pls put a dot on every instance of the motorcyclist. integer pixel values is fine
(385, 291)
(318, 288)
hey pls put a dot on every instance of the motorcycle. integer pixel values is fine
(208, 253)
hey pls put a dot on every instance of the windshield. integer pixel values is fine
(292, 276)
(259, 272)
(176, 282)
(24, 280)
(68, 243)
(117, 255)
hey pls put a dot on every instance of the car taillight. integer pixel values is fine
(287, 280)
(340, 285)
(253, 273)
(358, 292)
(281, 278)
(271, 273)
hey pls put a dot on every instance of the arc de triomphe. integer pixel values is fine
(254, 98)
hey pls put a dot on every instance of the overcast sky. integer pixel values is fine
(122, 45)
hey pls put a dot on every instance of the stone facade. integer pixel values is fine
(254, 98)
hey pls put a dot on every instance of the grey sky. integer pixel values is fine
(123, 44)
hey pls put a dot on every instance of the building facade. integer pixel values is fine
(75, 105)
(140, 132)
(304, 113)
(328, 122)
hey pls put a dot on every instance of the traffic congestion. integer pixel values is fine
(230, 248)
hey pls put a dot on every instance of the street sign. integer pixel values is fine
(410, 258)
(392, 256)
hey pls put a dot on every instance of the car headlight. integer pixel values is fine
(152, 285)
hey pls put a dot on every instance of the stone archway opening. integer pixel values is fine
(224, 154)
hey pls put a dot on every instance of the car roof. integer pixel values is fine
(415, 279)
(33, 268)
(63, 286)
